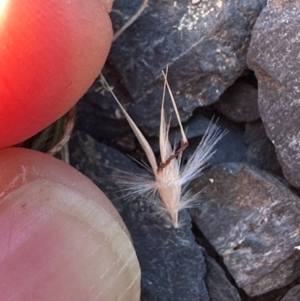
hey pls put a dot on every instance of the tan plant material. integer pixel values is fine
(131, 20)
(170, 177)
(62, 144)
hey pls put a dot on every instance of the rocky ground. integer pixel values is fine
(236, 60)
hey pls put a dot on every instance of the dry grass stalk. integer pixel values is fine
(131, 20)
(62, 144)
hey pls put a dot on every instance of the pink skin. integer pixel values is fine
(50, 54)
(60, 237)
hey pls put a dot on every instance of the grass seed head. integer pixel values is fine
(170, 178)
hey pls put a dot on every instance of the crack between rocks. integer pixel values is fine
(202, 241)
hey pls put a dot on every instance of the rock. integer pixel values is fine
(276, 295)
(261, 151)
(173, 266)
(102, 126)
(204, 44)
(231, 148)
(274, 56)
(218, 286)
(218, 282)
(172, 262)
(293, 294)
(252, 220)
(99, 115)
(239, 102)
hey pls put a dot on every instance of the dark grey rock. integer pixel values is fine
(274, 56)
(239, 102)
(218, 286)
(204, 44)
(99, 115)
(261, 151)
(173, 266)
(293, 294)
(252, 220)
(232, 147)
(275, 295)
(99, 123)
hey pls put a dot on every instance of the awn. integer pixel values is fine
(170, 178)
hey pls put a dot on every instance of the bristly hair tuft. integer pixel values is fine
(170, 179)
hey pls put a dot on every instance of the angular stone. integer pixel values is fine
(204, 44)
(239, 102)
(230, 149)
(274, 56)
(218, 286)
(100, 124)
(261, 151)
(293, 294)
(252, 220)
